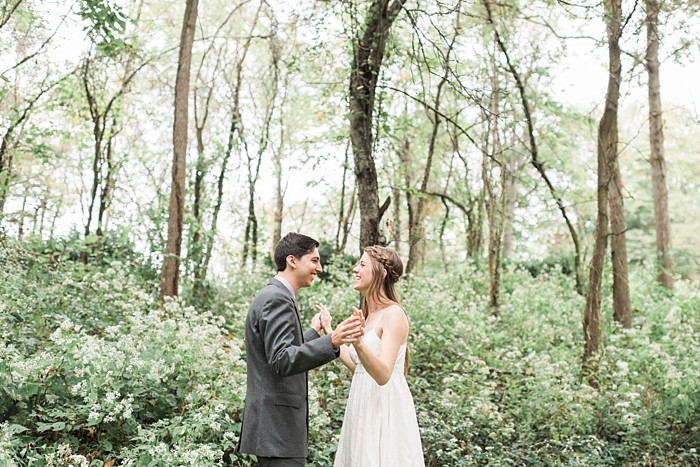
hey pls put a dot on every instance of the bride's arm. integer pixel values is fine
(395, 329)
(345, 358)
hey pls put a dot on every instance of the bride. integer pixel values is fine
(380, 426)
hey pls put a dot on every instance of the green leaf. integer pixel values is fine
(91, 239)
(15, 428)
(58, 426)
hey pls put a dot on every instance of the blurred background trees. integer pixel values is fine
(452, 131)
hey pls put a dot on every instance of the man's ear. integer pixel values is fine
(291, 261)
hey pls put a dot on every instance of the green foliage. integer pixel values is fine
(506, 391)
(336, 267)
(99, 250)
(106, 24)
(557, 263)
(92, 371)
(97, 373)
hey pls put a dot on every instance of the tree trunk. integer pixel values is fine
(250, 238)
(196, 247)
(509, 214)
(250, 245)
(341, 208)
(348, 219)
(54, 219)
(622, 312)
(473, 210)
(108, 188)
(416, 230)
(441, 236)
(278, 214)
(8, 139)
(494, 160)
(279, 201)
(170, 276)
(5, 175)
(592, 327)
(446, 217)
(618, 237)
(403, 152)
(607, 151)
(20, 227)
(664, 260)
(195, 250)
(219, 200)
(368, 53)
(98, 129)
(396, 224)
(104, 169)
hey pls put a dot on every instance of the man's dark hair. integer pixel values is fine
(294, 244)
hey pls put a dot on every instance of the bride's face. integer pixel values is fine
(364, 273)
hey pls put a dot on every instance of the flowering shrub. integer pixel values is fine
(160, 386)
(92, 372)
(506, 390)
(497, 390)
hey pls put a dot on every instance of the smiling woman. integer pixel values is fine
(380, 426)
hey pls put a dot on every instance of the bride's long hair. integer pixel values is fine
(387, 268)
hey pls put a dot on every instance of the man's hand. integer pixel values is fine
(316, 323)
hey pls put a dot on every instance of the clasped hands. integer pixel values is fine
(347, 332)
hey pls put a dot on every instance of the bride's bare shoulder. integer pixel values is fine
(394, 312)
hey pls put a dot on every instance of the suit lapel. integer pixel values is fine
(297, 313)
(279, 284)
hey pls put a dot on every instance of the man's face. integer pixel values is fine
(307, 267)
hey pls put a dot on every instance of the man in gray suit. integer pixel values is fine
(278, 357)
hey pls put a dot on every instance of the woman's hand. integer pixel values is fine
(357, 313)
(325, 318)
(347, 332)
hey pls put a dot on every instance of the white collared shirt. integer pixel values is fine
(287, 285)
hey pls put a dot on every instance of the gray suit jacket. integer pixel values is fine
(275, 418)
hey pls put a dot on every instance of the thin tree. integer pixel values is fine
(9, 140)
(622, 309)
(607, 149)
(234, 135)
(662, 222)
(250, 236)
(416, 230)
(494, 166)
(170, 275)
(277, 171)
(533, 146)
(7, 10)
(473, 209)
(105, 127)
(344, 215)
(202, 107)
(206, 82)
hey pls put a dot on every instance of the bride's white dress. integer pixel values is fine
(380, 428)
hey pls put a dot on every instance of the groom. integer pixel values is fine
(278, 357)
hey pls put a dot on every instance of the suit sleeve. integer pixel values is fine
(310, 335)
(279, 325)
